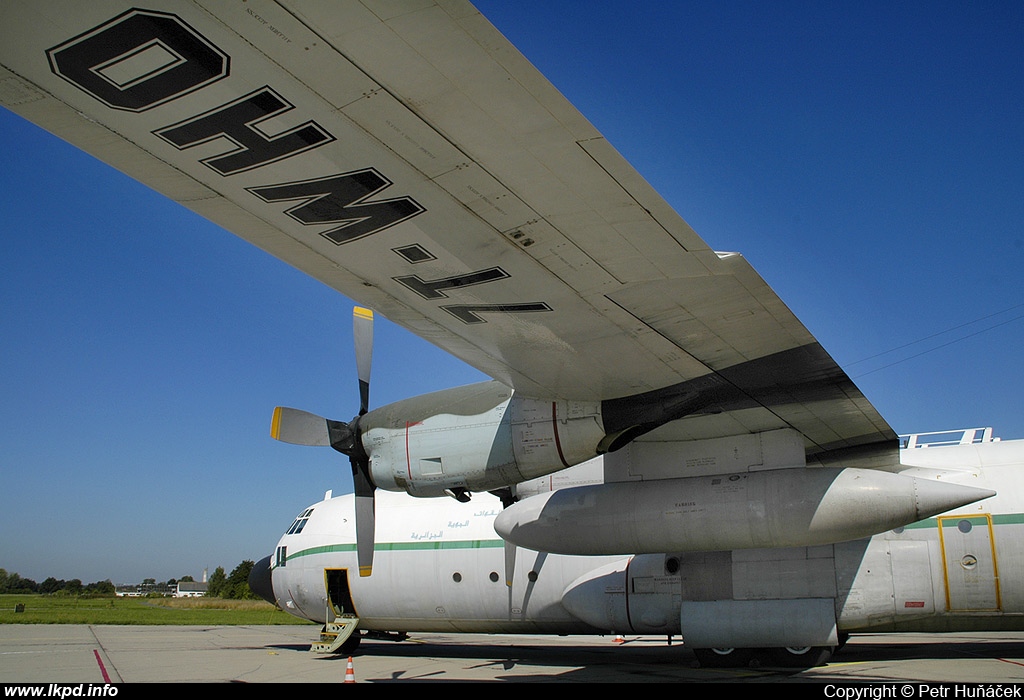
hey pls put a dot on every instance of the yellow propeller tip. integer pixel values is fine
(275, 424)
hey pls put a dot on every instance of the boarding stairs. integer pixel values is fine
(334, 634)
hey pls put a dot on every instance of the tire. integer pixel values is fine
(723, 658)
(796, 657)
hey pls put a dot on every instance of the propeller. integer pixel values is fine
(303, 428)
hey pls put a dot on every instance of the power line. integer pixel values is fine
(936, 335)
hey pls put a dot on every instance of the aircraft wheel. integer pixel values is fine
(796, 657)
(723, 658)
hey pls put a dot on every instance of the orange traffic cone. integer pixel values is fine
(350, 673)
(619, 639)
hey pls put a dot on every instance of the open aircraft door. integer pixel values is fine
(341, 634)
(969, 561)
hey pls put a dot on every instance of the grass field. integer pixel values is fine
(50, 610)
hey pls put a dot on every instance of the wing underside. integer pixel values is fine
(407, 155)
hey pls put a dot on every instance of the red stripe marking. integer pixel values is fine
(408, 457)
(554, 425)
(629, 616)
(103, 669)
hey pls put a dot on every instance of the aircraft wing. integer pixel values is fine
(407, 155)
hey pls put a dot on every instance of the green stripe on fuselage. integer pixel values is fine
(947, 521)
(401, 547)
(952, 520)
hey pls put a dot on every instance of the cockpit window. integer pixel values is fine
(300, 522)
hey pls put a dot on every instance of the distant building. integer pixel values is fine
(180, 589)
(190, 589)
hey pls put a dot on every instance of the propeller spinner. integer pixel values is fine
(302, 428)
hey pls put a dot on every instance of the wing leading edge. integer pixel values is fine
(407, 155)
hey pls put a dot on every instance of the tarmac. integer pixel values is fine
(278, 654)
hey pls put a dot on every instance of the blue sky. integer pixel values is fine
(867, 158)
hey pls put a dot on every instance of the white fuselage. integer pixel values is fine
(440, 566)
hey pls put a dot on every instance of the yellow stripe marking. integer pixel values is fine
(275, 424)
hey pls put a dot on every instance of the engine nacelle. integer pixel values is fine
(479, 437)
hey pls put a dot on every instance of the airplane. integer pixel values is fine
(408, 156)
(439, 568)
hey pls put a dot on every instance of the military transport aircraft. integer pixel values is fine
(440, 565)
(407, 155)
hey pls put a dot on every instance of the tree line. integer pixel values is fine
(13, 583)
(233, 586)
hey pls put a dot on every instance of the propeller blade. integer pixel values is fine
(510, 563)
(362, 331)
(365, 513)
(299, 427)
(508, 497)
(365, 524)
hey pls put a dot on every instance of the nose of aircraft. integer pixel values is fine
(260, 581)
